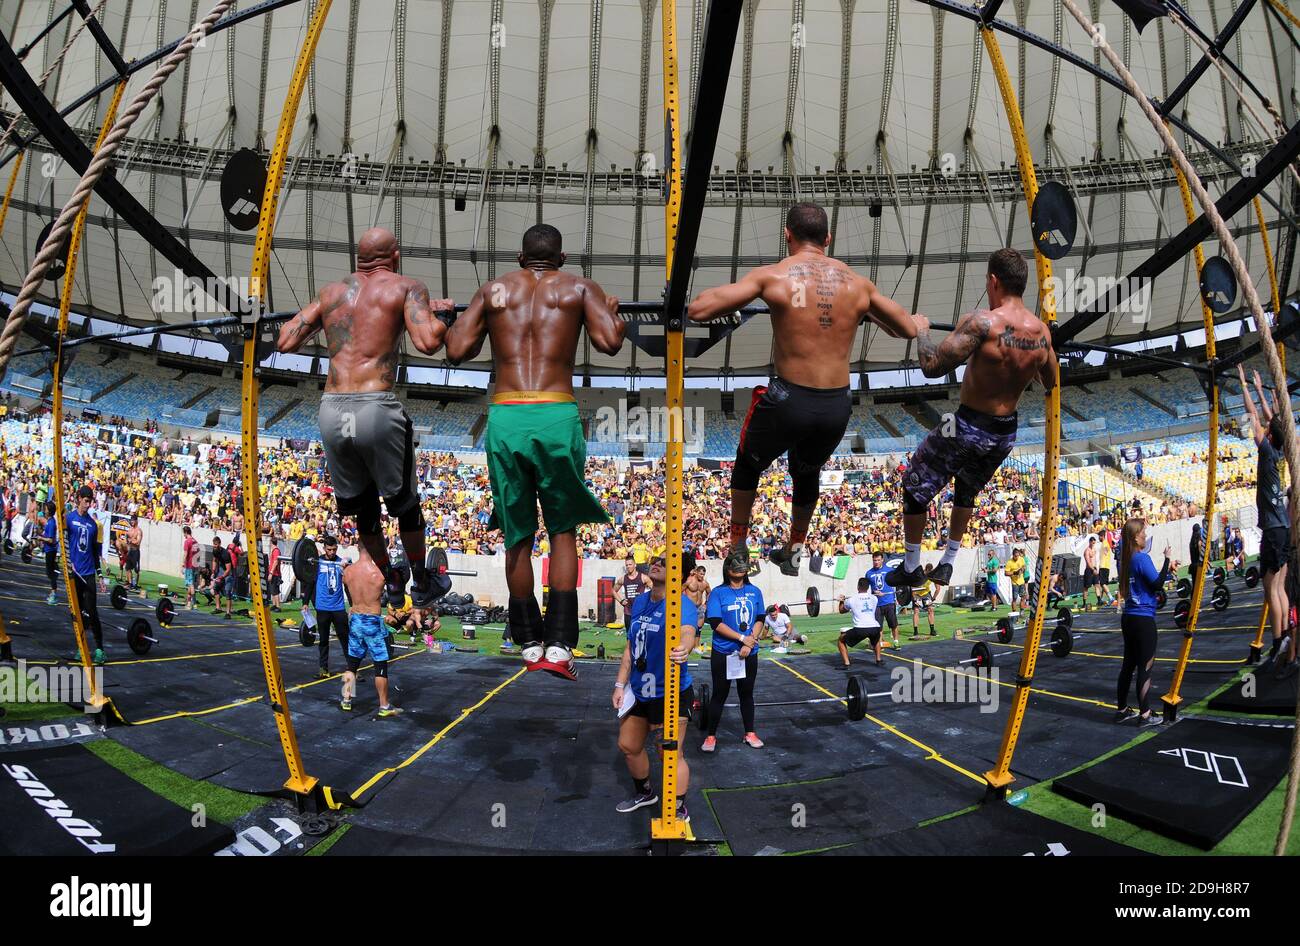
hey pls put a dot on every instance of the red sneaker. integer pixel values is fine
(557, 660)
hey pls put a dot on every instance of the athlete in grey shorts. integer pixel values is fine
(369, 441)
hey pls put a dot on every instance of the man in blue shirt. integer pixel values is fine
(642, 672)
(735, 611)
(50, 545)
(330, 603)
(83, 562)
(886, 602)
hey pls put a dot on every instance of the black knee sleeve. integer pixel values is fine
(562, 618)
(412, 520)
(364, 508)
(524, 624)
(911, 506)
(381, 669)
(807, 487)
(745, 474)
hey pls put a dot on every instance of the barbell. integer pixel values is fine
(139, 637)
(1219, 600)
(857, 697)
(26, 550)
(1006, 628)
(812, 602)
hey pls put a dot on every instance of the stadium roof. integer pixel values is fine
(886, 112)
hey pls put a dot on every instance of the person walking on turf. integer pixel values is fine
(367, 436)
(866, 622)
(735, 613)
(816, 304)
(1004, 348)
(1274, 521)
(638, 696)
(330, 603)
(367, 634)
(886, 599)
(50, 544)
(991, 567)
(1139, 583)
(134, 538)
(84, 564)
(1015, 571)
(189, 564)
(1091, 579)
(223, 576)
(923, 600)
(536, 449)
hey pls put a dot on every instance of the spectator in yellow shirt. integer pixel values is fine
(1015, 570)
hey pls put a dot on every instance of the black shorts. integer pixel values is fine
(888, 614)
(1104, 574)
(809, 423)
(273, 585)
(652, 711)
(856, 635)
(133, 559)
(1089, 577)
(1274, 549)
(922, 602)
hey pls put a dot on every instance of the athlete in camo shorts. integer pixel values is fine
(1004, 348)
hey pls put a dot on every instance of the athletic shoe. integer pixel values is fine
(640, 801)
(345, 705)
(941, 574)
(557, 661)
(423, 594)
(901, 577)
(1286, 670)
(51, 598)
(682, 813)
(788, 562)
(388, 712)
(710, 743)
(1124, 715)
(779, 650)
(322, 674)
(98, 659)
(1151, 719)
(752, 740)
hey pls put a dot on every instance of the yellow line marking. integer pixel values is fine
(464, 714)
(156, 660)
(1009, 686)
(932, 753)
(1086, 653)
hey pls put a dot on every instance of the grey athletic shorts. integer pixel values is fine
(370, 448)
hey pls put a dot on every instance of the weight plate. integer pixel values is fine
(981, 654)
(306, 635)
(27, 555)
(1219, 574)
(1005, 631)
(1062, 641)
(813, 602)
(9, 547)
(118, 597)
(137, 637)
(904, 596)
(1252, 575)
(1184, 587)
(305, 556)
(165, 611)
(1221, 598)
(1064, 618)
(857, 698)
(1181, 610)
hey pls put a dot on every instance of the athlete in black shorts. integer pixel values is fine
(816, 304)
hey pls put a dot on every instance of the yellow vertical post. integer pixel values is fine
(999, 777)
(9, 191)
(667, 827)
(96, 699)
(1172, 699)
(299, 781)
(1257, 645)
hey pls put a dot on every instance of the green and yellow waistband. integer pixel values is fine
(532, 397)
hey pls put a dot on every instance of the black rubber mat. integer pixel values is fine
(996, 830)
(1194, 782)
(815, 815)
(69, 801)
(368, 842)
(1260, 694)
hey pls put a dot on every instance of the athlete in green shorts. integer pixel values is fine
(535, 446)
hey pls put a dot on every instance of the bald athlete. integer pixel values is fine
(1004, 348)
(368, 439)
(535, 446)
(817, 304)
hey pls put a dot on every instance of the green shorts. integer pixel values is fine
(536, 453)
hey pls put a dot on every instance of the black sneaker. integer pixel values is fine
(941, 574)
(902, 578)
(788, 562)
(682, 813)
(640, 801)
(1125, 715)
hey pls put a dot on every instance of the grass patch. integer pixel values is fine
(324, 846)
(223, 805)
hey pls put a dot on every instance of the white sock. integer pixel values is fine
(912, 560)
(950, 553)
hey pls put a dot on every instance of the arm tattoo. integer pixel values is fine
(417, 305)
(939, 359)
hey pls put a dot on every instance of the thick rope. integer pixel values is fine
(98, 165)
(4, 139)
(1231, 80)
(1229, 247)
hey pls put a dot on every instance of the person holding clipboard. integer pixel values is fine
(638, 696)
(735, 612)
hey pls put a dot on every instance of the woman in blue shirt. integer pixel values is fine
(735, 612)
(1139, 583)
(50, 545)
(84, 563)
(642, 672)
